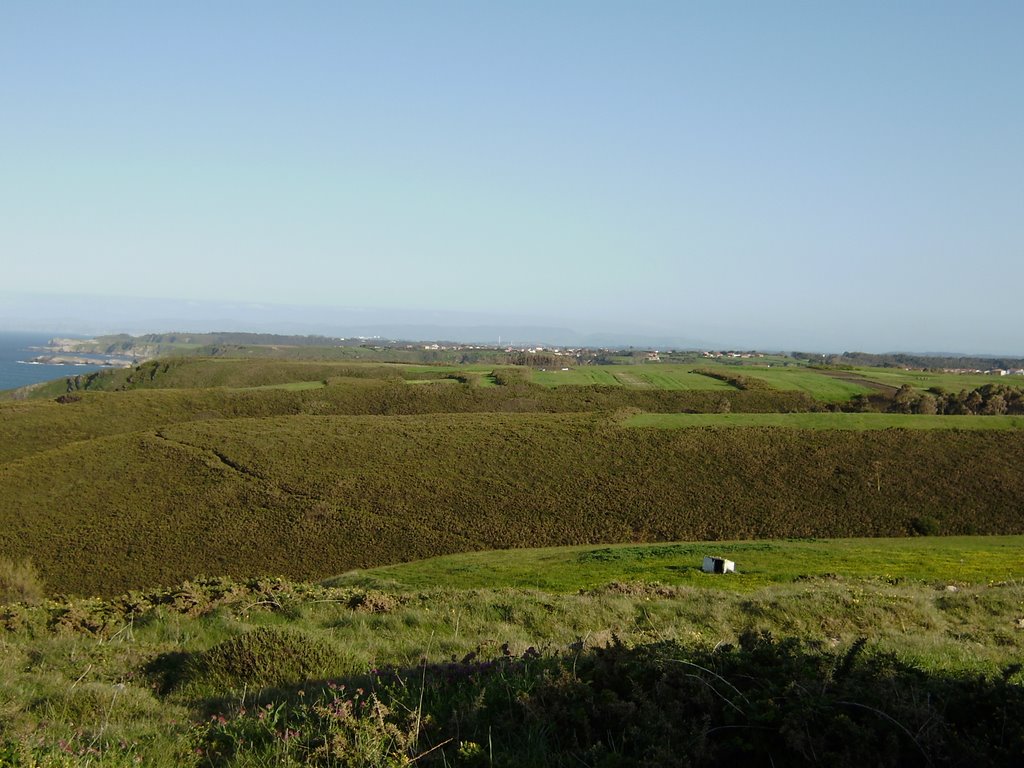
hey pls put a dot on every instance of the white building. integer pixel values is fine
(718, 565)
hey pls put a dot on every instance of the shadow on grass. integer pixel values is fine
(761, 702)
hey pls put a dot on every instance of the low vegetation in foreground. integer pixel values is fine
(116, 486)
(807, 665)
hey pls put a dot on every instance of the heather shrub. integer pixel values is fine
(264, 657)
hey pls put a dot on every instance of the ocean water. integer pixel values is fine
(15, 349)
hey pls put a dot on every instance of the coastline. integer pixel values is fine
(100, 360)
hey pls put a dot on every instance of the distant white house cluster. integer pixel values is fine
(990, 372)
(740, 355)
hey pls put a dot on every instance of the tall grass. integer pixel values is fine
(269, 672)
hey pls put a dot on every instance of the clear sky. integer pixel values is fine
(828, 175)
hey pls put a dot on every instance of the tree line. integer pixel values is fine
(987, 400)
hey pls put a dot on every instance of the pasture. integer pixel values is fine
(674, 376)
(585, 376)
(798, 379)
(950, 559)
(825, 421)
(293, 386)
(823, 386)
(663, 376)
(924, 380)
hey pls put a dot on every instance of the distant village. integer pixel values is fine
(123, 350)
(990, 372)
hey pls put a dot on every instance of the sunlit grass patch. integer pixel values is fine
(923, 380)
(960, 559)
(294, 386)
(825, 421)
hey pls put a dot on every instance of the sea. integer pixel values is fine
(15, 352)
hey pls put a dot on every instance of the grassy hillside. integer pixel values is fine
(646, 376)
(197, 372)
(814, 383)
(867, 651)
(201, 372)
(856, 421)
(28, 426)
(217, 672)
(308, 496)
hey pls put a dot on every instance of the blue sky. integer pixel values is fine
(825, 175)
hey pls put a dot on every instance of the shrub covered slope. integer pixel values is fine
(308, 496)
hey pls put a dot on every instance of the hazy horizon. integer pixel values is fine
(136, 316)
(785, 175)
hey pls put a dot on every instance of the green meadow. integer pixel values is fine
(923, 380)
(642, 376)
(954, 559)
(582, 376)
(826, 421)
(816, 383)
(669, 377)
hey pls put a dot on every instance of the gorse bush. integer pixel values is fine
(19, 581)
(987, 400)
(266, 656)
(738, 380)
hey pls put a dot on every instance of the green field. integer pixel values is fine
(825, 421)
(444, 369)
(666, 377)
(955, 559)
(645, 376)
(793, 378)
(431, 381)
(583, 376)
(671, 376)
(28, 426)
(799, 379)
(199, 372)
(294, 386)
(923, 380)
